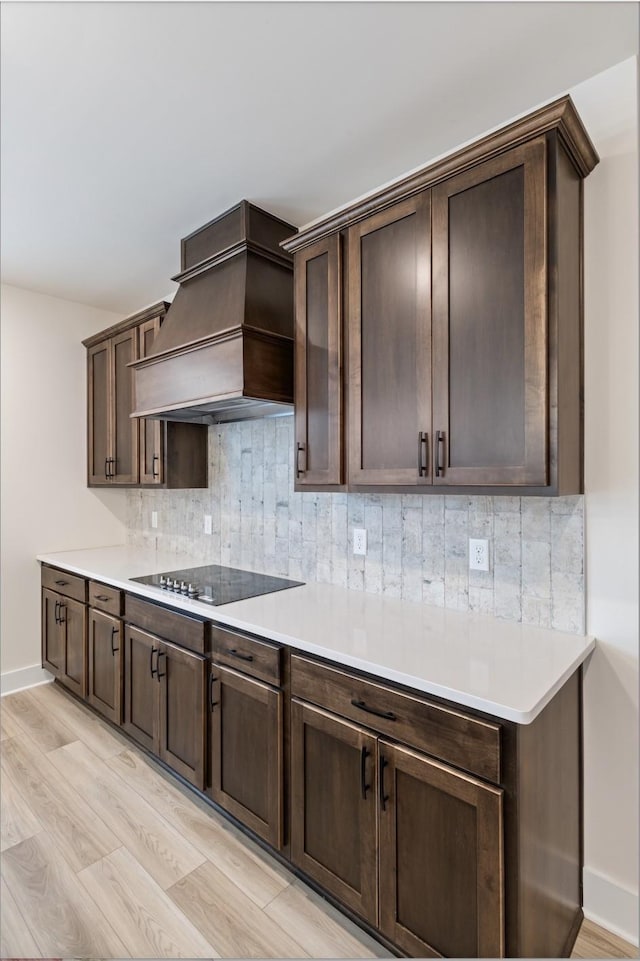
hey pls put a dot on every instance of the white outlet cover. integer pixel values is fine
(207, 524)
(154, 518)
(478, 554)
(359, 540)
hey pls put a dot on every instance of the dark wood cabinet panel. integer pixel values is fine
(73, 623)
(181, 680)
(246, 745)
(441, 858)
(333, 806)
(390, 345)
(99, 389)
(250, 655)
(52, 633)
(141, 720)
(104, 685)
(125, 431)
(189, 632)
(318, 364)
(151, 439)
(490, 322)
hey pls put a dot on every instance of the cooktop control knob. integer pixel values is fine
(192, 591)
(183, 587)
(163, 581)
(169, 584)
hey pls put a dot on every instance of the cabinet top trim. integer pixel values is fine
(561, 115)
(155, 310)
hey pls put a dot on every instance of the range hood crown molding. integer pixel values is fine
(225, 350)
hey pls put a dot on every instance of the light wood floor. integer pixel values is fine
(105, 856)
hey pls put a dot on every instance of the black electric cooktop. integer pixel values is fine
(216, 585)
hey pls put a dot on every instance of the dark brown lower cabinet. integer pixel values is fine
(64, 640)
(164, 702)
(104, 687)
(245, 749)
(441, 858)
(333, 806)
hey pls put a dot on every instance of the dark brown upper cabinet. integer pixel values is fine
(318, 365)
(112, 435)
(463, 319)
(130, 452)
(390, 345)
(490, 341)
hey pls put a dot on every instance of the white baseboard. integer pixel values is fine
(12, 681)
(610, 905)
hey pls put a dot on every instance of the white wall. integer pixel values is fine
(608, 104)
(45, 502)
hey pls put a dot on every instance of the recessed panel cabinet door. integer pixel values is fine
(490, 405)
(390, 345)
(73, 615)
(246, 751)
(333, 806)
(52, 633)
(100, 387)
(151, 454)
(318, 360)
(141, 687)
(181, 678)
(125, 430)
(441, 862)
(104, 688)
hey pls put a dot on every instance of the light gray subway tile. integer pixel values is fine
(567, 613)
(536, 610)
(323, 571)
(372, 576)
(536, 525)
(433, 591)
(567, 547)
(309, 519)
(569, 504)
(411, 532)
(391, 581)
(295, 538)
(456, 502)
(412, 501)
(480, 600)
(339, 572)
(507, 605)
(433, 510)
(536, 568)
(456, 593)
(507, 525)
(412, 578)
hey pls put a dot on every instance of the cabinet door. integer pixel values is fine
(52, 633)
(441, 864)
(318, 361)
(490, 322)
(182, 680)
(125, 431)
(104, 687)
(246, 751)
(151, 435)
(99, 388)
(390, 346)
(141, 687)
(333, 806)
(73, 616)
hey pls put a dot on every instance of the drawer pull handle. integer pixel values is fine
(154, 670)
(423, 453)
(239, 654)
(387, 715)
(63, 607)
(212, 703)
(62, 583)
(363, 773)
(439, 466)
(102, 597)
(383, 797)
(299, 470)
(155, 473)
(160, 654)
(114, 650)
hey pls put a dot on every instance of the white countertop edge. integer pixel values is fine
(379, 671)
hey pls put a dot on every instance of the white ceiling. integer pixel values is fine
(127, 125)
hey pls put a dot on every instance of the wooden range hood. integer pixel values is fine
(225, 349)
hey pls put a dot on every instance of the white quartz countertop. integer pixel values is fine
(509, 670)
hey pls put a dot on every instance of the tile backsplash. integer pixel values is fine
(417, 545)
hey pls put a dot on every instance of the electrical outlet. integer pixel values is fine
(478, 554)
(359, 540)
(207, 524)
(154, 518)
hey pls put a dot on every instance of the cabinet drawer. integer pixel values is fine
(457, 738)
(105, 598)
(255, 657)
(68, 584)
(186, 631)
